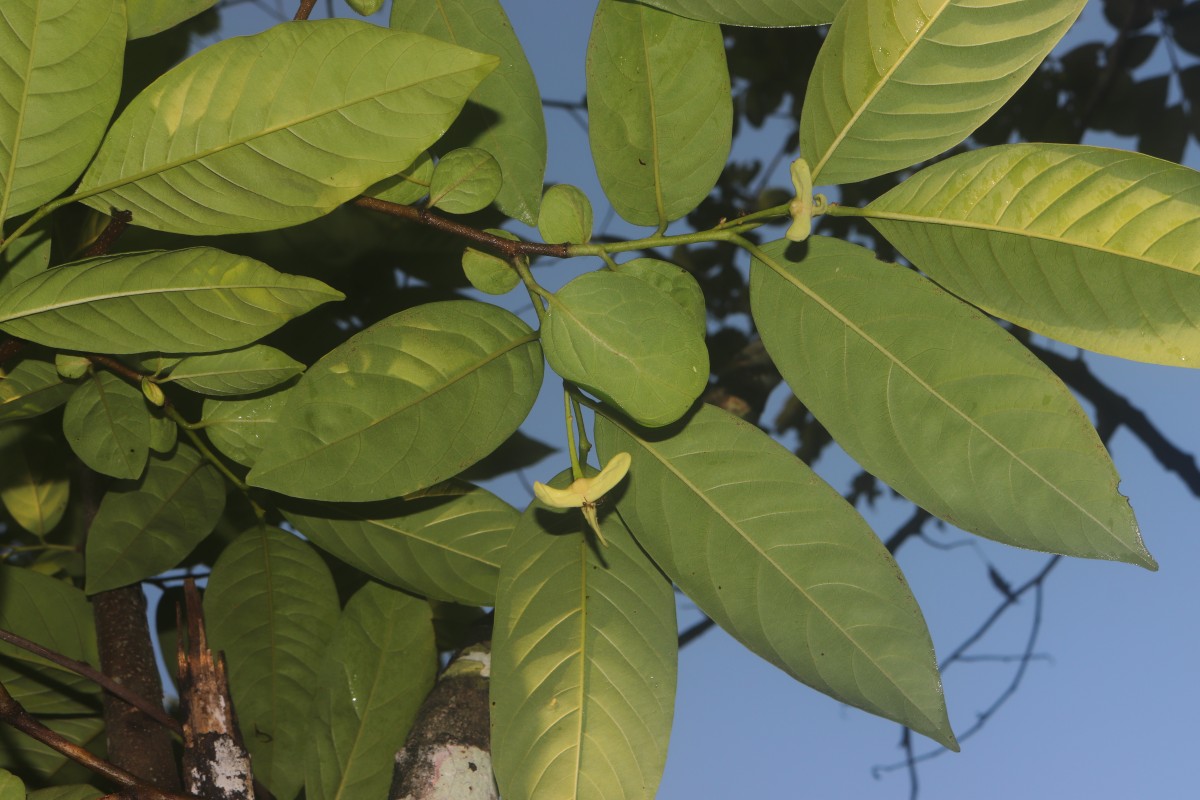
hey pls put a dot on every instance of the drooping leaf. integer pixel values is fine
(182, 301)
(754, 13)
(271, 130)
(107, 424)
(409, 402)
(238, 427)
(900, 81)
(566, 215)
(583, 662)
(34, 483)
(148, 17)
(236, 372)
(628, 343)
(1098, 248)
(31, 388)
(443, 542)
(148, 527)
(940, 402)
(673, 281)
(504, 115)
(60, 73)
(464, 181)
(660, 118)
(378, 667)
(781, 562)
(272, 607)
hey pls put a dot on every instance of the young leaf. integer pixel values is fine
(754, 13)
(781, 562)
(148, 527)
(900, 81)
(410, 401)
(566, 215)
(231, 141)
(488, 273)
(31, 388)
(60, 74)
(11, 787)
(628, 343)
(247, 371)
(34, 484)
(365, 7)
(378, 667)
(660, 117)
(238, 427)
(271, 606)
(464, 181)
(407, 186)
(673, 281)
(107, 424)
(1098, 248)
(583, 662)
(443, 542)
(940, 402)
(184, 301)
(504, 116)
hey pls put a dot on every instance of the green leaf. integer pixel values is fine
(31, 388)
(365, 7)
(146, 528)
(72, 367)
(19, 752)
(1093, 247)
(409, 402)
(900, 81)
(34, 483)
(628, 343)
(238, 427)
(75, 792)
(11, 787)
(504, 115)
(583, 662)
(673, 281)
(660, 116)
(443, 542)
(25, 256)
(247, 371)
(148, 17)
(271, 130)
(107, 424)
(566, 215)
(60, 74)
(407, 186)
(934, 398)
(182, 301)
(488, 273)
(163, 433)
(272, 607)
(781, 562)
(378, 667)
(464, 181)
(754, 13)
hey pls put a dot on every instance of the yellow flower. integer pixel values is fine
(585, 493)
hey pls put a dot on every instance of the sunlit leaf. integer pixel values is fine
(443, 542)
(410, 401)
(377, 669)
(764, 13)
(270, 130)
(675, 282)
(60, 74)
(934, 398)
(11, 787)
(566, 215)
(900, 81)
(148, 527)
(407, 186)
(107, 424)
(181, 301)
(660, 119)
(148, 17)
(464, 181)
(272, 607)
(1098, 248)
(236, 372)
(583, 662)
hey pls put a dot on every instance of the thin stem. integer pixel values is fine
(306, 7)
(536, 293)
(719, 234)
(585, 445)
(576, 469)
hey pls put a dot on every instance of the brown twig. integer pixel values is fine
(95, 676)
(507, 247)
(306, 7)
(108, 237)
(10, 348)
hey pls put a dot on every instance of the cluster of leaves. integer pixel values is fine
(175, 385)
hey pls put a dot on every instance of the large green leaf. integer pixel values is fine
(1099, 248)
(378, 667)
(504, 116)
(627, 342)
(180, 301)
(900, 81)
(443, 542)
(780, 561)
(410, 401)
(271, 606)
(60, 74)
(107, 424)
(30, 757)
(31, 388)
(938, 401)
(660, 118)
(237, 427)
(146, 528)
(147, 17)
(583, 662)
(236, 372)
(754, 13)
(271, 130)
(34, 482)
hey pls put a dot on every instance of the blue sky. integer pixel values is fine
(1107, 712)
